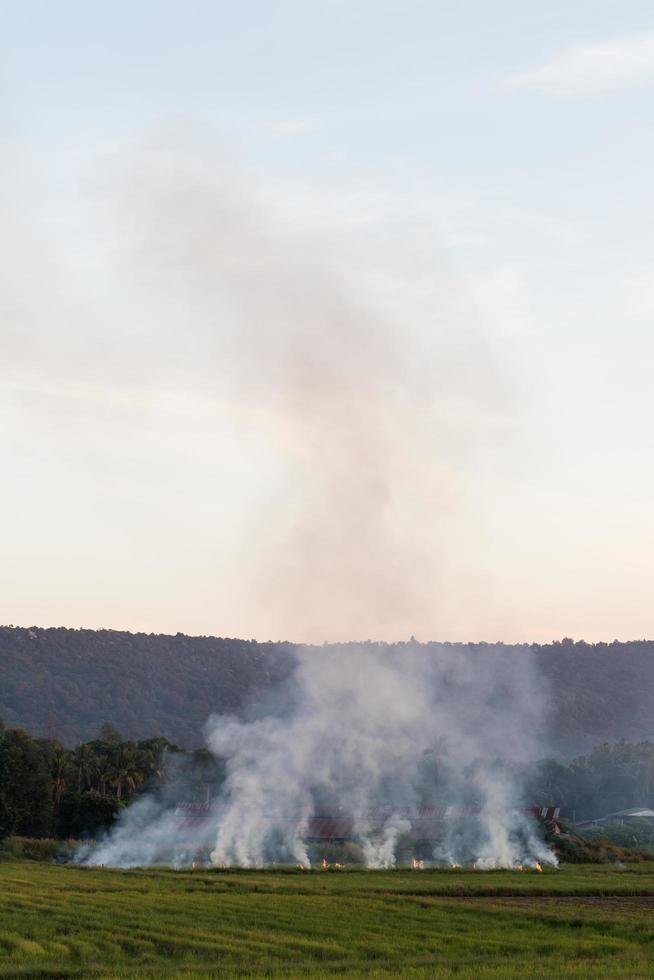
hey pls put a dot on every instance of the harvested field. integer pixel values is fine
(580, 921)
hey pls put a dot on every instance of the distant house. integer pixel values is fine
(621, 817)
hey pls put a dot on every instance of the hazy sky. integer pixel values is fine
(328, 320)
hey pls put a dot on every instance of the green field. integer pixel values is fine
(580, 921)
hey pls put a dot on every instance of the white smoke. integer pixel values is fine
(368, 733)
(147, 834)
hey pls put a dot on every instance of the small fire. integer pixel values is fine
(325, 864)
(417, 865)
(339, 867)
(301, 867)
(455, 866)
(538, 866)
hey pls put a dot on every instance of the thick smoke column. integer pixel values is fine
(363, 730)
(373, 397)
(366, 721)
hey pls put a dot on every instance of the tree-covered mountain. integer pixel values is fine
(64, 683)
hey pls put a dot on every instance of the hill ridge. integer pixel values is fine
(69, 681)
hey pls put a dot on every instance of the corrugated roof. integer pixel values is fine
(632, 813)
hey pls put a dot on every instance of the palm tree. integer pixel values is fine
(103, 770)
(152, 760)
(59, 772)
(84, 762)
(126, 773)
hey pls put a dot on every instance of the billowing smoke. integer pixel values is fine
(349, 370)
(367, 737)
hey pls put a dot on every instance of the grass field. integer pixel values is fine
(580, 921)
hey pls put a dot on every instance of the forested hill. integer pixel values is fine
(66, 683)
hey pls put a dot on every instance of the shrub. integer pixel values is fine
(37, 848)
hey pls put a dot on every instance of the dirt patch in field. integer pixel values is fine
(625, 902)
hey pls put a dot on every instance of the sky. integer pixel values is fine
(327, 320)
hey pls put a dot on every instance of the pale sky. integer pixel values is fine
(328, 319)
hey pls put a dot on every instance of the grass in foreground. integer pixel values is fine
(580, 921)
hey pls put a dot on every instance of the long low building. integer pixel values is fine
(420, 822)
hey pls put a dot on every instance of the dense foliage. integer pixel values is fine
(49, 790)
(610, 778)
(632, 833)
(63, 683)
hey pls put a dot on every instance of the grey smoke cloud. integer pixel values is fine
(377, 418)
(364, 731)
(291, 406)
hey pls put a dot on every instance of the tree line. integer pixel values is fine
(48, 790)
(612, 777)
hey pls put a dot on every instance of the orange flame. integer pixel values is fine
(538, 866)
(325, 864)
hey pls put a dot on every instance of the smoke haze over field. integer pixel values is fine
(333, 399)
(359, 732)
(374, 420)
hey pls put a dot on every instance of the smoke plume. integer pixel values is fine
(367, 735)
(360, 368)
(283, 398)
